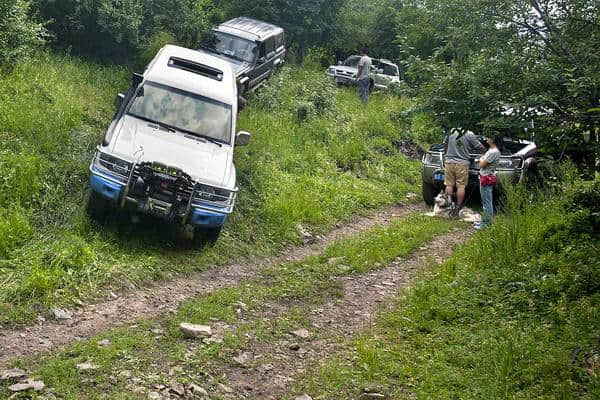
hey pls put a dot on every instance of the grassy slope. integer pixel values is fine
(314, 170)
(514, 314)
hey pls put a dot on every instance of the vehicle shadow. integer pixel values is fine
(140, 232)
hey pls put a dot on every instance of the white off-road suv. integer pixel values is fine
(169, 149)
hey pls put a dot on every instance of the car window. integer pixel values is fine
(270, 46)
(352, 61)
(184, 111)
(279, 41)
(389, 69)
(233, 46)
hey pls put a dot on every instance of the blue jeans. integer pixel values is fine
(363, 89)
(488, 205)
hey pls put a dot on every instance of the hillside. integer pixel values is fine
(334, 161)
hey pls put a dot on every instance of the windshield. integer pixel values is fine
(352, 62)
(183, 111)
(233, 46)
(388, 69)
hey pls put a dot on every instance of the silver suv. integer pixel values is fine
(256, 49)
(169, 150)
(384, 73)
(518, 161)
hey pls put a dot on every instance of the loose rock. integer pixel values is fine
(177, 388)
(225, 388)
(244, 359)
(303, 397)
(86, 366)
(30, 384)
(61, 315)
(154, 396)
(104, 343)
(294, 347)
(301, 333)
(195, 389)
(10, 374)
(371, 396)
(192, 331)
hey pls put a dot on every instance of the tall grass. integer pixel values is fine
(316, 158)
(514, 314)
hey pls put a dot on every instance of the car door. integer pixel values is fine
(264, 64)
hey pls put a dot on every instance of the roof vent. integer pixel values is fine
(196, 68)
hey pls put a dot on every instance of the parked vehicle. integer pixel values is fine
(256, 49)
(168, 151)
(518, 160)
(384, 73)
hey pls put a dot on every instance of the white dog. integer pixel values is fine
(443, 206)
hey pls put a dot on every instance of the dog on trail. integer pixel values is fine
(442, 207)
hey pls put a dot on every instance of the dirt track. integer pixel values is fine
(163, 297)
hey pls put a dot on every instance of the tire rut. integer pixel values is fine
(332, 325)
(164, 297)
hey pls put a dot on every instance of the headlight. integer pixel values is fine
(432, 159)
(110, 163)
(510, 163)
(215, 195)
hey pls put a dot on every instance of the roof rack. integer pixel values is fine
(196, 68)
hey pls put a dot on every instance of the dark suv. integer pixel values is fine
(254, 48)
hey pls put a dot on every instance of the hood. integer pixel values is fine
(203, 161)
(239, 67)
(345, 68)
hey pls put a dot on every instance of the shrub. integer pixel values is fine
(157, 41)
(18, 33)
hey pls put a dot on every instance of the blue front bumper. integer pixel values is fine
(113, 191)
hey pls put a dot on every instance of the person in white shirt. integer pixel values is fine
(487, 177)
(364, 76)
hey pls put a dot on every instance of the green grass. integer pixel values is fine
(294, 285)
(316, 168)
(514, 314)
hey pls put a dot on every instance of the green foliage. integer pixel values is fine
(473, 60)
(156, 42)
(110, 28)
(19, 34)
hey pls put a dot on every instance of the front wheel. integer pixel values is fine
(97, 206)
(429, 193)
(207, 236)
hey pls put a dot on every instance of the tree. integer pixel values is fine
(19, 34)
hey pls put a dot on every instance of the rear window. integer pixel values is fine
(270, 46)
(279, 41)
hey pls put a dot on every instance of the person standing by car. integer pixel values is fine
(487, 177)
(364, 76)
(458, 146)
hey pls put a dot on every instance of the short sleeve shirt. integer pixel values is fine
(365, 62)
(492, 156)
(460, 148)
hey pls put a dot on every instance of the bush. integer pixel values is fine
(157, 42)
(18, 33)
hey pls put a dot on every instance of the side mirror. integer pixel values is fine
(119, 100)
(340, 63)
(242, 138)
(136, 79)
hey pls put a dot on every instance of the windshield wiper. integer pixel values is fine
(208, 138)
